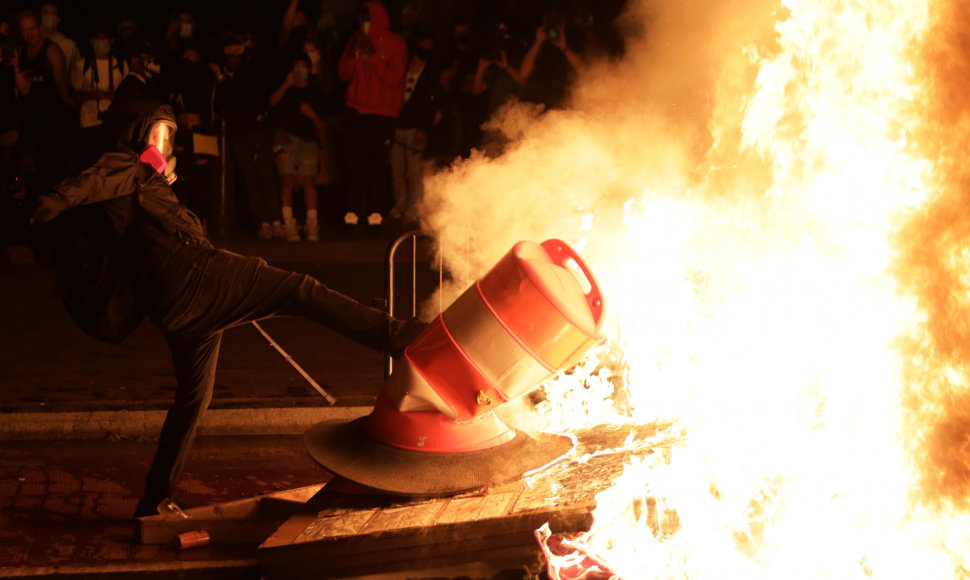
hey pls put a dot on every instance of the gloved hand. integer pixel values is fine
(48, 208)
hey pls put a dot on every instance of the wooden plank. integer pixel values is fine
(237, 521)
(286, 534)
(414, 547)
(289, 502)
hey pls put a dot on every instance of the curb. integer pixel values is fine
(91, 425)
(204, 569)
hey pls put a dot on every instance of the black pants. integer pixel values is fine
(368, 145)
(205, 291)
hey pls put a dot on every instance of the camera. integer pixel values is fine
(554, 23)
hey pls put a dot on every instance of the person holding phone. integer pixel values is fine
(373, 65)
(299, 110)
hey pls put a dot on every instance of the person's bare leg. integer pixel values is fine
(310, 198)
(287, 183)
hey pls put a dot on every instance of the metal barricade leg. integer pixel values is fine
(390, 298)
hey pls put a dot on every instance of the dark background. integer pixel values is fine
(80, 18)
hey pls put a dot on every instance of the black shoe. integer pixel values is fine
(404, 334)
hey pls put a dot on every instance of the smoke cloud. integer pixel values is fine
(635, 126)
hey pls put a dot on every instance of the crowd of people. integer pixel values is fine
(330, 122)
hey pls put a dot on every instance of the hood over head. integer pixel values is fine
(143, 118)
(379, 21)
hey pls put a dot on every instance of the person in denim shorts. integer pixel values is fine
(299, 111)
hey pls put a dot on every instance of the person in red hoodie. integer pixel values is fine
(373, 64)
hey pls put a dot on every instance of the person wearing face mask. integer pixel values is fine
(413, 125)
(94, 80)
(51, 21)
(373, 65)
(298, 109)
(181, 33)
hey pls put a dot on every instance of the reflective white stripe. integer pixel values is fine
(510, 367)
(455, 378)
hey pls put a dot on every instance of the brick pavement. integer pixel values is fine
(66, 506)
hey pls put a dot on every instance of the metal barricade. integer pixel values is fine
(390, 302)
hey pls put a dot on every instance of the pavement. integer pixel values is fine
(79, 418)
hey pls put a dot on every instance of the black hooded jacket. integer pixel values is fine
(122, 227)
(143, 210)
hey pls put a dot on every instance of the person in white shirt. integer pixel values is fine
(50, 20)
(95, 78)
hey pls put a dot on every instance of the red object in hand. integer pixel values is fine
(153, 157)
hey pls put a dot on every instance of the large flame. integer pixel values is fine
(771, 196)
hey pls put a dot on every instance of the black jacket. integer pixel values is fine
(125, 226)
(419, 110)
(148, 216)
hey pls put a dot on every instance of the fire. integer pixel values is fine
(767, 194)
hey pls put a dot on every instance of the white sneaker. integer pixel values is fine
(375, 219)
(312, 230)
(289, 228)
(278, 232)
(265, 231)
(350, 218)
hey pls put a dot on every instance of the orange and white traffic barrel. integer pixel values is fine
(535, 313)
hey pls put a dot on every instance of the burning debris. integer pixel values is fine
(771, 198)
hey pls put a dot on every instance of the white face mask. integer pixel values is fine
(366, 27)
(101, 46)
(185, 30)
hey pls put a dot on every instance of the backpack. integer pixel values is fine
(114, 63)
(95, 274)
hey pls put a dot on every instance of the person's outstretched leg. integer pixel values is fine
(195, 361)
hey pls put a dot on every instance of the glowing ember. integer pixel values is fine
(771, 208)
